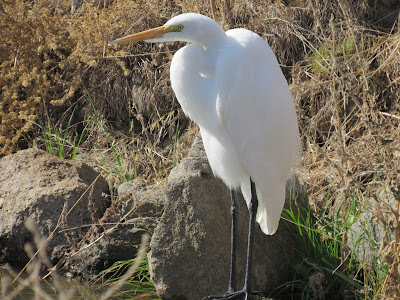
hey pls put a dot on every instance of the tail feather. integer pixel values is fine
(269, 209)
(270, 205)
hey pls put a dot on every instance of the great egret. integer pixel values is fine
(231, 85)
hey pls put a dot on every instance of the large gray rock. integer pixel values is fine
(37, 185)
(133, 212)
(190, 248)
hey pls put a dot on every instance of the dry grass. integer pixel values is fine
(31, 284)
(343, 69)
(52, 62)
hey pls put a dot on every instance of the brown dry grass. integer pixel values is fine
(343, 68)
(53, 61)
(32, 285)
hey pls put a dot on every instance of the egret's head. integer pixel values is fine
(189, 27)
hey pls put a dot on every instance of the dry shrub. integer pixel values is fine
(27, 70)
(53, 60)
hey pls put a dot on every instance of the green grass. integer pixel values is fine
(321, 57)
(328, 268)
(139, 283)
(57, 142)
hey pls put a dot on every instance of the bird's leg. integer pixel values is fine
(252, 213)
(234, 213)
(232, 278)
(243, 294)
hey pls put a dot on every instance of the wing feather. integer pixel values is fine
(256, 108)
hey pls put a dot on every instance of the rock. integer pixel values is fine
(197, 148)
(134, 212)
(37, 185)
(142, 200)
(103, 248)
(370, 233)
(190, 247)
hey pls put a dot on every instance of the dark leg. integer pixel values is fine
(244, 294)
(252, 213)
(234, 213)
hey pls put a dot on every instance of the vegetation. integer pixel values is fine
(139, 283)
(56, 288)
(328, 269)
(62, 89)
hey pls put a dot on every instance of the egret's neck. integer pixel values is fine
(192, 71)
(215, 42)
(207, 34)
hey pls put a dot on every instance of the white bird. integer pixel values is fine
(231, 85)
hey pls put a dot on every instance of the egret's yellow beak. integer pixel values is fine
(154, 33)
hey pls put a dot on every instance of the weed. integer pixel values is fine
(320, 274)
(57, 142)
(329, 269)
(320, 59)
(138, 283)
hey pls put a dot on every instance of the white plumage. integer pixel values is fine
(233, 88)
(231, 85)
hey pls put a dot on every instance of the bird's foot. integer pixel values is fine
(238, 295)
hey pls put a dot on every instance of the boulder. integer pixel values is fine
(62, 197)
(190, 247)
(134, 211)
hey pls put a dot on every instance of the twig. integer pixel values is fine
(389, 115)
(212, 4)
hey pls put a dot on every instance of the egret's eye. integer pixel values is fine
(173, 28)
